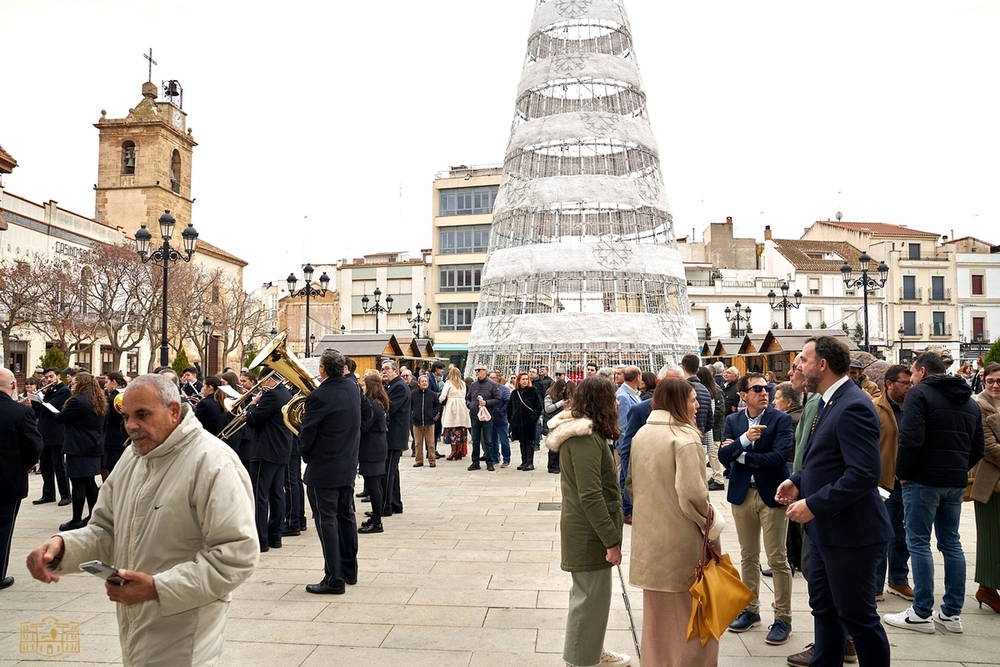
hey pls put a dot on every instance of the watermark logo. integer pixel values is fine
(49, 638)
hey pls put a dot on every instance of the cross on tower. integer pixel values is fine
(151, 62)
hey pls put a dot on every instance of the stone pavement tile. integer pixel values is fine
(474, 598)
(480, 553)
(381, 543)
(324, 656)
(450, 534)
(105, 623)
(241, 654)
(490, 567)
(361, 592)
(558, 600)
(519, 556)
(523, 545)
(263, 590)
(94, 649)
(320, 633)
(526, 618)
(403, 614)
(32, 597)
(433, 636)
(282, 610)
(547, 583)
(96, 602)
(440, 581)
(497, 659)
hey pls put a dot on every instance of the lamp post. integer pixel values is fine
(206, 328)
(785, 305)
(901, 332)
(378, 307)
(165, 254)
(979, 344)
(866, 283)
(738, 316)
(343, 329)
(308, 291)
(417, 320)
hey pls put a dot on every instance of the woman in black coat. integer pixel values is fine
(210, 411)
(373, 448)
(525, 408)
(83, 415)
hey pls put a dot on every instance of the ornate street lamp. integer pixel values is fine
(738, 316)
(165, 254)
(785, 305)
(308, 291)
(378, 307)
(866, 284)
(417, 320)
(901, 332)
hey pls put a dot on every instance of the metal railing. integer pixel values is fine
(915, 294)
(941, 295)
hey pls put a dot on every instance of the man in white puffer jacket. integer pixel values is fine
(176, 517)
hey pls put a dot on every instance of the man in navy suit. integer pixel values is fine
(756, 444)
(835, 495)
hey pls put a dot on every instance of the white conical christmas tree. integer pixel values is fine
(583, 264)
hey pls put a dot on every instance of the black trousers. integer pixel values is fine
(333, 512)
(269, 499)
(8, 514)
(53, 468)
(527, 452)
(842, 596)
(391, 500)
(295, 495)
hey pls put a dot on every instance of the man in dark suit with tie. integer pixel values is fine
(53, 433)
(835, 495)
(756, 445)
(20, 445)
(329, 441)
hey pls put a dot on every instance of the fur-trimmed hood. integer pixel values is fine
(564, 426)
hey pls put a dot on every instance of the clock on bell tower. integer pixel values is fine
(144, 162)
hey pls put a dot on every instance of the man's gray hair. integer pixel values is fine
(670, 371)
(719, 367)
(733, 369)
(333, 362)
(607, 373)
(171, 375)
(162, 383)
(390, 362)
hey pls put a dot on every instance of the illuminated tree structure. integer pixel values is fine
(583, 264)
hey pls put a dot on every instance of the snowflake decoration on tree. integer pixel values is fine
(569, 63)
(573, 8)
(600, 122)
(612, 255)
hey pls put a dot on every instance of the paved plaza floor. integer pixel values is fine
(467, 576)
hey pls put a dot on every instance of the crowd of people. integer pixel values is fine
(841, 473)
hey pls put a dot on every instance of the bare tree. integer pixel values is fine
(63, 313)
(22, 285)
(124, 297)
(237, 316)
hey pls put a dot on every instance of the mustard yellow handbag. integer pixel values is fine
(718, 595)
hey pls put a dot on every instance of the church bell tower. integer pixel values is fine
(144, 162)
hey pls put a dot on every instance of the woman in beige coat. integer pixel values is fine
(455, 420)
(666, 479)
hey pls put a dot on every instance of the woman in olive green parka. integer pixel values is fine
(591, 521)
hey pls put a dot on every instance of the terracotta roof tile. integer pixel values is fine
(7, 162)
(799, 252)
(878, 228)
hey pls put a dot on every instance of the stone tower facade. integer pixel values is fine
(144, 165)
(583, 263)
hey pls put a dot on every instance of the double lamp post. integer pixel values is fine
(866, 283)
(308, 291)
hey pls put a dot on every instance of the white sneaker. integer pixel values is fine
(909, 620)
(612, 659)
(950, 623)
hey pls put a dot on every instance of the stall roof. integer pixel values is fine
(793, 340)
(361, 345)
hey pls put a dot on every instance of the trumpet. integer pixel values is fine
(237, 407)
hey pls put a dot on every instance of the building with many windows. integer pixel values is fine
(462, 209)
(395, 275)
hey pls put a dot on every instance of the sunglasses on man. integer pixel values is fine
(757, 388)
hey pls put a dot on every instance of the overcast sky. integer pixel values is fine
(321, 125)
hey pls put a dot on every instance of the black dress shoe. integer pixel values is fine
(351, 582)
(291, 532)
(366, 499)
(274, 545)
(73, 525)
(418, 465)
(264, 549)
(715, 486)
(474, 466)
(6, 582)
(361, 495)
(65, 501)
(368, 527)
(323, 589)
(766, 573)
(368, 514)
(42, 501)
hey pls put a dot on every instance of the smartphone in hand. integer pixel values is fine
(104, 571)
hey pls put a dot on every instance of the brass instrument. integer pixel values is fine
(286, 367)
(192, 399)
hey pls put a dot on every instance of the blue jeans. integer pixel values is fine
(501, 438)
(896, 553)
(482, 432)
(623, 454)
(941, 508)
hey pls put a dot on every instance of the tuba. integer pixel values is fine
(284, 364)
